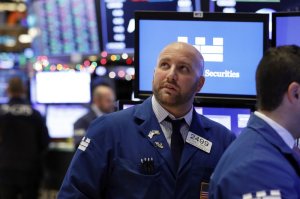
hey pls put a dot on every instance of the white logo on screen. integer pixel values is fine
(211, 53)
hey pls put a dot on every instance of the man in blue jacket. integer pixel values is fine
(264, 161)
(159, 149)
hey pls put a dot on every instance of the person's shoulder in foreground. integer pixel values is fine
(263, 162)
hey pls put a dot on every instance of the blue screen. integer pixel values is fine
(234, 119)
(287, 30)
(231, 51)
(60, 119)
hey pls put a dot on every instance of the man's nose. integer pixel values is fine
(172, 73)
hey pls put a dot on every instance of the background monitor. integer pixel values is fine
(124, 104)
(61, 118)
(232, 46)
(234, 118)
(61, 87)
(5, 75)
(64, 27)
(286, 28)
(116, 19)
(41, 108)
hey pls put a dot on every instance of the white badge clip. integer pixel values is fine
(159, 145)
(152, 133)
(199, 142)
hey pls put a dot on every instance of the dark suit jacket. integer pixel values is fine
(23, 140)
(82, 124)
(109, 162)
(259, 160)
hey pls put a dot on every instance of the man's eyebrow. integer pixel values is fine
(165, 59)
(185, 62)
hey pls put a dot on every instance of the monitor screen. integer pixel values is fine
(61, 87)
(41, 108)
(116, 19)
(233, 118)
(231, 44)
(64, 27)
(61, 118)
(124, 104)
(5, 75)
(286, 28)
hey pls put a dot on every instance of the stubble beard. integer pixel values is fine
(170, 99)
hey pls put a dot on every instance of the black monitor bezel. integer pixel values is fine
(274, 25)
(203, 16)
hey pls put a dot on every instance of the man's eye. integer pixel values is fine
(184, 68)
(164, 65)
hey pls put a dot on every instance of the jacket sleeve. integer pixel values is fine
(88, 171)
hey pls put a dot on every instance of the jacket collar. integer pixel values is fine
(270, 135)
(263, 128)
(147, 122)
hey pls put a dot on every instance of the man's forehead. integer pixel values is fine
(179, 58)
(176, 54)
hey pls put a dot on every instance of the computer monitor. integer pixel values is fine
(235, 118)
(286, 28)
(61, 118)
(41, 108)
(61, 87)
(64, 27)
(231, 44)
(116, 19)
(124, 104)
(5, 75)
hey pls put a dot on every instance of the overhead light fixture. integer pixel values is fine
(12, 6)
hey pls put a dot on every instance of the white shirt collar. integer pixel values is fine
(282, 132)
(96, 110)
(162, 113)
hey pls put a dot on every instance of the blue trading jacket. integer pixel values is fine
(257, 163)
(108, 161)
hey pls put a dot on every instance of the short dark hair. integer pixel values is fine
(278, 68)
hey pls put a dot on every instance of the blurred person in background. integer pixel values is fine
(23, 140)
(103, 102)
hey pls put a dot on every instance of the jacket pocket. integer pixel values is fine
(127, 181)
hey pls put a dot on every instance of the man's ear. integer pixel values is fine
(153, 74)
(200, 83)
(293, 91)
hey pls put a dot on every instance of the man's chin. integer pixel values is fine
(167, 99)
